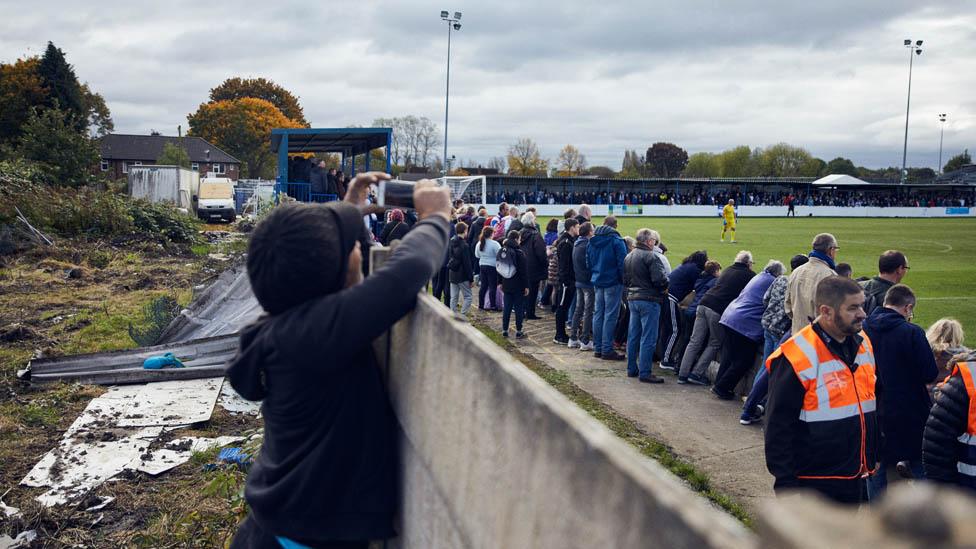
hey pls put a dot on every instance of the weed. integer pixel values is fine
(200, 250)
(201, 458)
(157, 314)
(37, 415)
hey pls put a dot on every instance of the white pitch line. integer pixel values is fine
(955, 298)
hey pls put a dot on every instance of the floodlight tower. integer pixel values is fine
(913, 50)
(453, 23)
(942, 118)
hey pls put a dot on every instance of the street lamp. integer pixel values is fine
(913, 50)
(452, 23)
(942, 118)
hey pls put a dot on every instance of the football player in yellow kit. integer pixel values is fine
(728, 219)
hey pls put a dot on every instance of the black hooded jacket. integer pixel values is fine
(327, 467)
(941, 450)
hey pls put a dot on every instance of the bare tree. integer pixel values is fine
(570, 161)
(524, 158)
(498, 163)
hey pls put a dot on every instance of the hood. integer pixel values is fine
(885, 319)
(604, 237)
(245, 371)
(581, 241)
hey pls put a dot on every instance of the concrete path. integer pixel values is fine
(688, 418)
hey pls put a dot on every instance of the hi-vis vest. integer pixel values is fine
(832, 393)
(967, 455)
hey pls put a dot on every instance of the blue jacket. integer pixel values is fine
(905, 364)
(605, 255)
(682, 280)
(702, 285)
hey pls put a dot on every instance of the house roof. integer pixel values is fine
(119, 146)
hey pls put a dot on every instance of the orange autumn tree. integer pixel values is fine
(21, 88)
(242, 127)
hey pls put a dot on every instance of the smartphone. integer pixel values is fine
(395, 193)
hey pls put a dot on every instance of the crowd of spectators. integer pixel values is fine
(699, 196)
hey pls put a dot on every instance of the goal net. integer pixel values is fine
(472, 189)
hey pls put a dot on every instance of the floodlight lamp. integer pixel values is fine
(918, 42)
(908, 41)
(445, 14)
(457, 26)
(457, 15)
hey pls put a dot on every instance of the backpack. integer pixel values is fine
(499, 232)
(454, 263)
(505, 263)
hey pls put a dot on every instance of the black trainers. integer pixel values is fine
(682, 380)
(668, 367)
(560, 340)
(505, 333)
(519, 335)
(695, 379)
(613, 355)
(652, 379)
(598, 354)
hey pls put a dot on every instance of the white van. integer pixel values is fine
(216, 199)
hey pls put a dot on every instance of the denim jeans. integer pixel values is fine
(582, 315)
(462, 289)
(878, 482)
(642, 336)
(572, 307)
(760, 388)
(605, 311)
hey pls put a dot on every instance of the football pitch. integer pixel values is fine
(941, 252)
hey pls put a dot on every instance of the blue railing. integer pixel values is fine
(302, 192)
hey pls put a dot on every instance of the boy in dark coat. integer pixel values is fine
(515, 288)
(905, 366)
(326, 474)
(461, 271)
(566, 289)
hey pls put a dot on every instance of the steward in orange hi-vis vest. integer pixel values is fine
(822, 428)
(949, 443)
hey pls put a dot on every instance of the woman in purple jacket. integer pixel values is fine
(742, 320)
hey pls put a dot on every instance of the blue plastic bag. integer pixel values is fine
(162, 361)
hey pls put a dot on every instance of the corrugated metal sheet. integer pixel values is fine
(225, 307)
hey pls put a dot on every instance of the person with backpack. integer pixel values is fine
(892, 267)
(510, 265)
(486, 251)
(461, 274)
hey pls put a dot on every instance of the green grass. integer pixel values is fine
(940, 251)
(624, 428)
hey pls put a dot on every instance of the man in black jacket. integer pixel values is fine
(460, 267)
(567, 278)
(326, 473)
(646, 280)
(822, 429)
(949, 443)
(474, 232)
(892, 267)
(582, 332)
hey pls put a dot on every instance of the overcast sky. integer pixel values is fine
(605, 76)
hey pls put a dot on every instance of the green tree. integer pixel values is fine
(737, 162)
(784, 160)
(958, 161)
(261, 88)
(842, 166)
(97, 116)
(665, 159)
(242, 127)
(64, 156)
(815, 167)
(632, 166)
(63, 90)
(702, 164)
(524, 159)
(173, 155)
(601, 171)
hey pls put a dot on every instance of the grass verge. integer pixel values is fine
(623, 428)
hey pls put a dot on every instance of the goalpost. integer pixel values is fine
(461, 187)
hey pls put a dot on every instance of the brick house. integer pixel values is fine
(119, 151)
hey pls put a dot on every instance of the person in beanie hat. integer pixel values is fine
(326, 473)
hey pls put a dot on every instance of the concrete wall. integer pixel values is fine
(752, 211)
(492, 456)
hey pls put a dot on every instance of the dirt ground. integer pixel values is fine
(81, 296)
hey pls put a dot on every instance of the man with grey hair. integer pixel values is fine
(646, 280)
(707, 335)
(801, 289)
